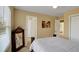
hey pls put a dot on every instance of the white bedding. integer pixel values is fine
(54, 44)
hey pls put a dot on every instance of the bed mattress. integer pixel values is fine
(54, 44)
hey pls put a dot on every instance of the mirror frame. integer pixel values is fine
(14, 32)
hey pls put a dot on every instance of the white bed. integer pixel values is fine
(54, 44)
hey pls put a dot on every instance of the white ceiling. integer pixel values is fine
(49, 10)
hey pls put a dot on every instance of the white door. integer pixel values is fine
(74, 27)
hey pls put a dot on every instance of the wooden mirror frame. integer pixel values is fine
(14, 32)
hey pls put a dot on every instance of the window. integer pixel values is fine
(32, 26)
(61, 27)
(5, 27)
(1, 21)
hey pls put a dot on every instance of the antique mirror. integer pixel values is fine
(17, 39)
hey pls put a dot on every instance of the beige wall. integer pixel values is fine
(20, 20)
(12, 17)
(66, 21)
(61, 17)
(45, 32)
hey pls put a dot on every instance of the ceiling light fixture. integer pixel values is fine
(55, 6)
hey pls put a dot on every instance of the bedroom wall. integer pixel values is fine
(66, 21)
(12, 17)
(20, 20)
(61, 17)
(45, 32)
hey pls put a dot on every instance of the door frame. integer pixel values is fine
(70, 24)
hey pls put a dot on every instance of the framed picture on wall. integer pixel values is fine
(43, 24)
(46, 24)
